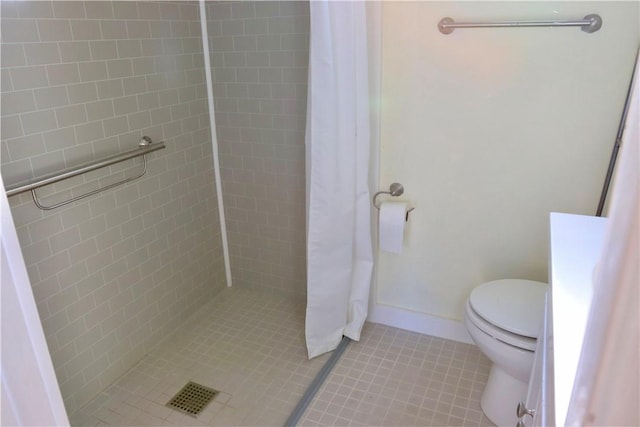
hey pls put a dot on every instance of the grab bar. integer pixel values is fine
(589, 24)
(145, 146)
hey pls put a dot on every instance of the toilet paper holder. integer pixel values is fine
(395, 190)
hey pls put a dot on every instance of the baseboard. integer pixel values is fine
(419, 322)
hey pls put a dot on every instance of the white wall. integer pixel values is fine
(490, 130)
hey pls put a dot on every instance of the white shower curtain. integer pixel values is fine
(339, 252)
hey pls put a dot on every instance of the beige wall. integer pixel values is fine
(490, 130)
(259, 56)
(116, 272)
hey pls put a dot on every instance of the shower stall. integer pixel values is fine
(140, 267)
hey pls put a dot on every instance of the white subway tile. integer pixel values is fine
(139, 120)
(71, 115)
(95, 316)
(169, 11)
(129, 48)
(9, 9)
(92, 227)
(53, 265)
(68, 9)
(168, 97)
(179, 29)
(5, 80)
(100, 110)
(54, 30)
(85, 30)
(50, 97)
(148, 10)
(46, 163)
(75, 215)
(91, 336)
(70, 332)
(93, 70)
(64, 239)
(82, 92)
(35, 9)
(143, 66)
(89, 131)
(125, 10)
(125, 105)
(75, 51)
(138, 29)
(115, 126)
(134, 85)
(99, 9)
(83, 250)
(19, 30)
(42, 53)
(12, 55)
(29, 77)
(119, 68)
(38, 121)
(24, 147)
(60, 74)
(110, 89)
(72, 275)
(159, 29)
(52, 324)
(59, 139)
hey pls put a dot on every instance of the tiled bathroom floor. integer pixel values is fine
(399, 378)
(249, 345)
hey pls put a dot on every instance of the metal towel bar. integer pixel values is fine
(145, 146)
(589, 24)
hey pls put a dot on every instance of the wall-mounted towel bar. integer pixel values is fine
(589, 24)
(145, 146)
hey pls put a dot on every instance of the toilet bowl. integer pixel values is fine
(504, 318)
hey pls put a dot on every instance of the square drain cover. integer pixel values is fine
(192, 399)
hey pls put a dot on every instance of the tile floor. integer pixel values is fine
(249, 345)
(399, 378)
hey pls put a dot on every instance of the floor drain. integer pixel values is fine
(192, 399)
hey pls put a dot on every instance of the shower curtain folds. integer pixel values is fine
(339, 252)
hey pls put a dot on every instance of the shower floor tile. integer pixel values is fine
(250, 346)
(247, 344)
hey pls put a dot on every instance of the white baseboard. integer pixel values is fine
(419, 322)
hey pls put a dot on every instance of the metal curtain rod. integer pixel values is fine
(145, 146)
(589, 24)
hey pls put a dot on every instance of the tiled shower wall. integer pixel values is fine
(259, 54)
(116, 272)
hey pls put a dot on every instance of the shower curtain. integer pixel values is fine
(339, 252)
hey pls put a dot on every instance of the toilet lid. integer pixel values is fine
(514, 305)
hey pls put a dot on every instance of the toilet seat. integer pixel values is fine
(509, 310)
(514, 340)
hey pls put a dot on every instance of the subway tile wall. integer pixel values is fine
(115, 273)
(259, 55)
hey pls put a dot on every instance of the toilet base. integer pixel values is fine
(501, 396)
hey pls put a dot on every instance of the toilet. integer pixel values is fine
(504, 318)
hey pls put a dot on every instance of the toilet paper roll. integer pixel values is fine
(392, 221)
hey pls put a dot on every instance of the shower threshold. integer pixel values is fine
(317, 382)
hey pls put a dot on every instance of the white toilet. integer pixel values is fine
(504, 318)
